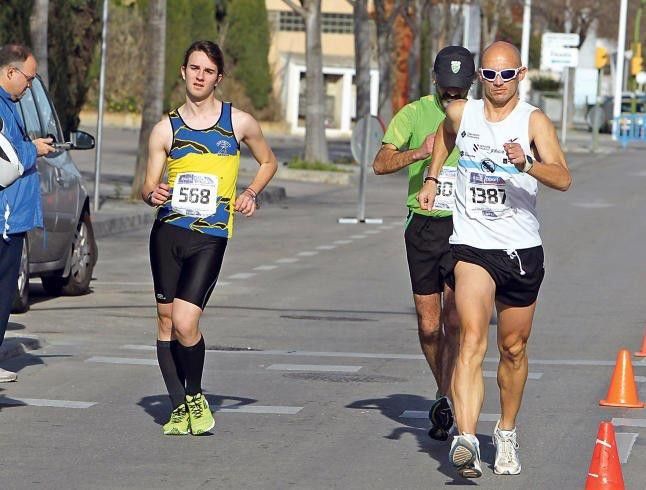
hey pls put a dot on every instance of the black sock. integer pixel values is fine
(177, 357)
(193, 364)
(169, 371)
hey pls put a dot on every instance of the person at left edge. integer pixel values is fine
(20, 207)
(199, 144)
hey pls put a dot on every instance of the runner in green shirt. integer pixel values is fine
(408, 142)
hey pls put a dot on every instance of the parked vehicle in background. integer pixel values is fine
(63, 253)
(603, 113)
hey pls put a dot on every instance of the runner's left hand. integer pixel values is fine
(515, 154)
(245, 204)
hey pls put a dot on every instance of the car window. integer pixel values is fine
(47, 115)
(30, 115)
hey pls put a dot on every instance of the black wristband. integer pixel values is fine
(431, 178)
(149, 198)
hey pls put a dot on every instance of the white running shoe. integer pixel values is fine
(507, 462)
(465, 455)
(7, 376)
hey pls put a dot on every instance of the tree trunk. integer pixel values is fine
(362, 54)
(154, 91)
(38, 29)
(385, 50)
(414, 21)
(315, 141)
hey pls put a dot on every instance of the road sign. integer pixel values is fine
(559, 50)
(364, 144)
(373, 138)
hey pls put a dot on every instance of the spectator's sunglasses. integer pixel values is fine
(506, 74)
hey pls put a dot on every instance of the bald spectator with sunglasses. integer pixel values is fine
(506, 148)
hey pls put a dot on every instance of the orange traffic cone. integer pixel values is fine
(642, 352)
(605, 468)
(623, 390)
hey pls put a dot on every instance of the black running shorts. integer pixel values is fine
(185, 264)
(428, 252)
(513, 288)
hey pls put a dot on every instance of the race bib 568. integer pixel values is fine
(195, 194)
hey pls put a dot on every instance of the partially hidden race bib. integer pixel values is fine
(486, 196)
(195, 194)
(445, 197)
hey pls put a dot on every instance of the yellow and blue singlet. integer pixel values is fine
(214, 151)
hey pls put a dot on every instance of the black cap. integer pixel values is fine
(454, 67)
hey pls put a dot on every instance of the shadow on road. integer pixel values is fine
(159, 407)
(392, 407)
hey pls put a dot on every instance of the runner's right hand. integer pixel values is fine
(426, 196)
(160, 194)
(426, 150)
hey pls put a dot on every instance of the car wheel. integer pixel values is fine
(83, 258)
(21, 300)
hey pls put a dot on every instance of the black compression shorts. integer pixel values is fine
(185, 264)
(428, 252)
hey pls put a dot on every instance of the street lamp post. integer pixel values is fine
(99, 123)
(524, 47)
(619, 70)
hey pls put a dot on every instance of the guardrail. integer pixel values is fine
(629, 127)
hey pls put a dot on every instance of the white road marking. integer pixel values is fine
(265, 268)
(372, 232)
(121, 283)
(321, 368)
(619, 422)
(326, 247)
(412, 357)
(124, 360)
(223, 283)
(640, 379)
(40, 402)
(494, 374)
(593, 205)
(357, 237)
(342, 242)
(260, 409)
(287, 261)
(242, 275)
(307, 254)
(423, 414)
(625, 443)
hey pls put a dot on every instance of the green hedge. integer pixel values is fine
(247, 45)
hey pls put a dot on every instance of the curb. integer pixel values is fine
(18, 345)
(130, 219)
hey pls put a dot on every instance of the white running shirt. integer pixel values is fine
(495, 205)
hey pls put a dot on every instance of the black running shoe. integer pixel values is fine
(441, 417)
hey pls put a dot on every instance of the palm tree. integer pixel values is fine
(38, 30)
(362, 55)
(315, 142)
(154, 90)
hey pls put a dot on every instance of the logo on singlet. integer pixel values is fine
(224, 147)
(488, 164)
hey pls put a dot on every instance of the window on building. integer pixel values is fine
(330, 23)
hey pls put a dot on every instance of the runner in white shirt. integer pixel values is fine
(506, 146)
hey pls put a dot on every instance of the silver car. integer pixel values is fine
(63, 253)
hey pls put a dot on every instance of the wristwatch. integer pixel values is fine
(529, 163)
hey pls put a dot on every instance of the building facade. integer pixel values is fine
(287, 61)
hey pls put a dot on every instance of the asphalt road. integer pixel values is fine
(313, 360)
